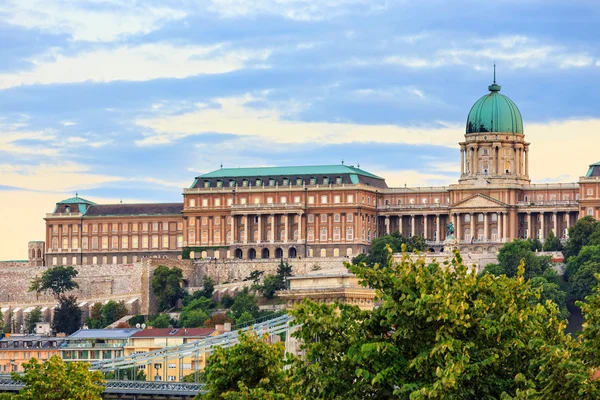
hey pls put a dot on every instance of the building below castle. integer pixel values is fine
(332, 210)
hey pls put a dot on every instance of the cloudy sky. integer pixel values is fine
(126, 99)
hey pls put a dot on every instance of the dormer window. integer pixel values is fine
(259, 182)
(286, 181)
(245, 182)
(299, 181)
(206, 184)
(326, 180)
(67, 209)
(272, 182)
(219, 183)
(313, 180)
(338, 180)
(231, 183)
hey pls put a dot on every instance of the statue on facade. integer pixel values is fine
(450, 230)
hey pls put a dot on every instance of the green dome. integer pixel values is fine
(494, 112)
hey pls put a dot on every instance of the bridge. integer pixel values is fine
(160, 388)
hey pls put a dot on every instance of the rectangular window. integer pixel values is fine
(125, 227)
(145, 227)
(115, 242)
(65, 228)
(180, 226)
(104, 243)
(155, 227)
(336, 199)
(204, 202)
(115, 227)
(296, 199)
(217, 202)
(104, 228)
(84, 243)
(95, 228)
(134, 242)
(144, 242)
(75, 228)
(94, 243)
(134, 227)
(243, 200)
(180, 241)
(85, 228)
(283, 199)
(124, 242)
(192, 221)
(165, 226)
(323, 199)
(311, 199)
(229, 201)
(350, 198)
(155, 242)
(165, 242)
(590, 192)
(55, 229)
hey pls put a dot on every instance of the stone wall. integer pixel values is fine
(13, 264)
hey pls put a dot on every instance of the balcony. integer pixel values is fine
(421, 206)
(550, 203)
(267, 206)
(64, 215)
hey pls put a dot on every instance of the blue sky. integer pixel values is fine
(132, 99)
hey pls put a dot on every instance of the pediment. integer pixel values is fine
(480, 201)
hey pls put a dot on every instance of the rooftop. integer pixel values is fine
(103, 334)
(174, 332)
(134, 209)
(290, 171)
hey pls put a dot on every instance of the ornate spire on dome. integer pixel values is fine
(494, 87)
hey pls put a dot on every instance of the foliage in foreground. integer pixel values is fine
(378, 250)
(57, 380)
(440, 332)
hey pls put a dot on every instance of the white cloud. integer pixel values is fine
(235, 117)
(89, 20)
(300, 10)
(9, 142)
(133, 63)
(68, 123)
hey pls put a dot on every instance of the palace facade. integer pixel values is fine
(333, 210)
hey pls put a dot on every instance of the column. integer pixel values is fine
(437, 228)
(198, 231)
(542, 227)
(387, 225)
(245, 228)
(272, 228)
(568, 224)
(233, 229)
(505, 222)
(457, 230)
(555, 216)
(462, 161)
(330, 228)
(486, 227)
(472, 226)
(425, 230)
(527, 162)
(285, 238)
(400, 224)
(300, 228)
(528, 225)
(259, 228)
(500, 230)
(412, 225)
(210, 231)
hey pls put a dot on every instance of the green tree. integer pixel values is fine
(192, 319)
(244, 302)
(552, 243)
(57, 380)
(439, 332)
(377, 251)
(166, 285)
(251, 369)
(67, 315)
(255, 276)
(511, 254)
(416, 243)
(583, 281)
(32, 319)
(580, 235)
(270, 285)
(56, 280)
(159, 321)
(95, 319)
(136, 319)
(587, 254)
(227, 301)
(113, 311)
(244, 319)
(550, 291)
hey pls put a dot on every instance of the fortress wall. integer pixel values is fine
(13, 264)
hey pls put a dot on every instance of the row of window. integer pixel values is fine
(103, 242)
(273, 182)
(118, 227)
(94, 261)
(325, 199)
(311, 219)
(551, 197)
(282, 235)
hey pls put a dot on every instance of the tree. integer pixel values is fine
(511, 254)
(56, 380)
(255, 276)
(378, 254)
(270, 285)
(251, 369)
(587, 254)
(244, 319)
(244, 302)
(56, 280)
(95, 320)
(439, 332)
(67, 315)
(580, 235)
(113, 311)
(584, 281)
(226, 301)
(166, 285)
(552, 243)
(193, 319)
(159, 321)
(32, 319)
(550, 291)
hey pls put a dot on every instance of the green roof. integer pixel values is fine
(494, 112)
(290, 172)
(76, 200)
(591, 170)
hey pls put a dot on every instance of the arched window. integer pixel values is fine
(507, 167)
(336, 234)
(65, 243)
(204, 221)
(480, 235)
(590, 211)
(485, 167)
(204, 237)
(217, 237)
(494, 234)
(467, 217)
(311, 218)
(33, 253)
(228, 237)
(311, 235)
(39, 253)
(282, 235)
(75, 243)
(192, 237)
(349, 217)
(323, 236)
(323, 217)
(467, 235)
(255, 236)
(350, 234)
(336, 218)
(295, 234)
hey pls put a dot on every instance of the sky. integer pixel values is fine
(125, 100)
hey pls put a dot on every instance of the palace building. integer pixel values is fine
(334, 210)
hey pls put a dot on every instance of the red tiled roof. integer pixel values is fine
(174, 332)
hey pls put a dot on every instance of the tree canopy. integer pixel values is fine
(57, 380)
(166, 286)
(552, 243)
(32, 319)
(585, 231)
(67, 315)
(244, 302)
(511, 254)
(56, 280)
(377, 252)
